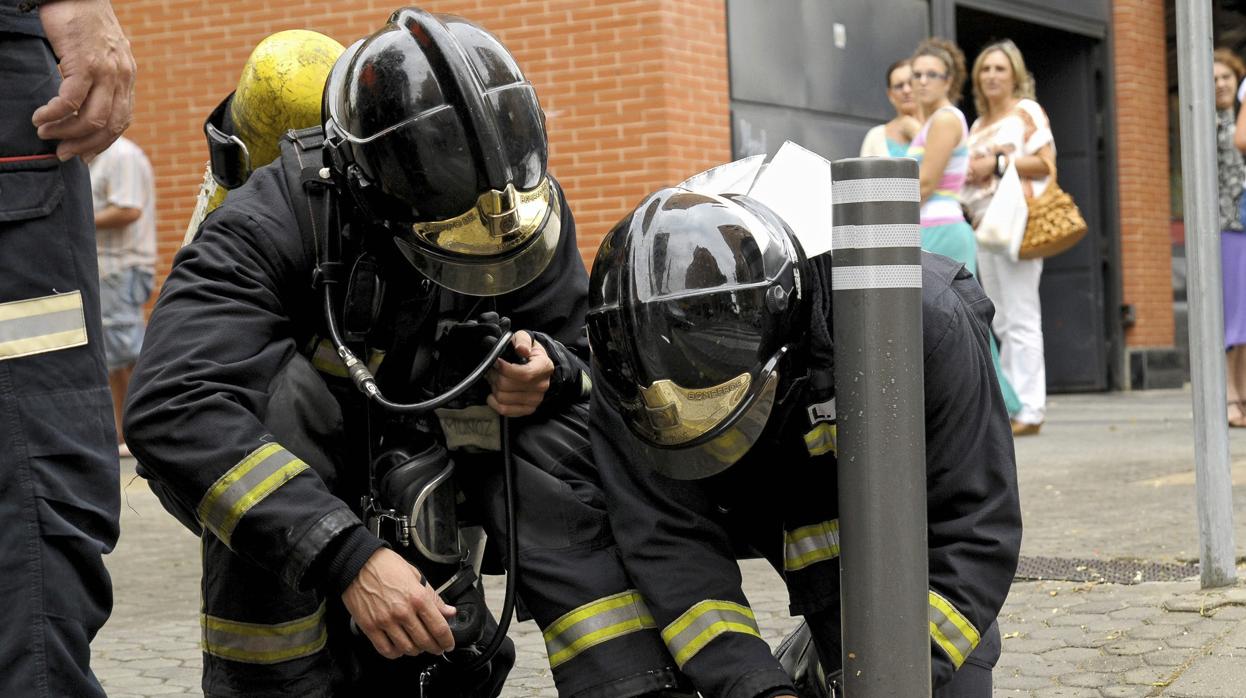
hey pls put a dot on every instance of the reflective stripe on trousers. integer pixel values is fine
(257, 643)
(693, 630)
(39, 325)
(594, 623)
(245, 485)
(951, 630)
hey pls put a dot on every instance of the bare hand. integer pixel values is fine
(396, 609)
(981, 168)
(96, 97)
(909, 127)
(518, 389)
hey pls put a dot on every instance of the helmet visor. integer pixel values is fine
(691, 434)
(720, 444)
(478, 255)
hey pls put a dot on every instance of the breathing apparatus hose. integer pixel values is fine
(366, 383)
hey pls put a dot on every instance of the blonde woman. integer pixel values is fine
(1011, 129)
(941, 150)
(892, 138)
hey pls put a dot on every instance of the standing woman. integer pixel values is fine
(941, 151)
(1011, 128)
(1228, 70)
(892, 138)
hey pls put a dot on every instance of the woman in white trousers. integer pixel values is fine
(1011, 129)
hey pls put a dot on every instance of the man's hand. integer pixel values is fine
(398, 612)
(97, 94)
(519, 388)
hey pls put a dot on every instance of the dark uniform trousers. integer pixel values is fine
(571, 580)
(59, 480)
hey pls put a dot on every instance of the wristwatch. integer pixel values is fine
(1001, 164)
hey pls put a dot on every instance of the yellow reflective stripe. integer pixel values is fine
(41, 325)
(326, 360)
(244, 486)
(809, 544)
(594, 623)
(951, 630)
(693, 630)
(257, 643)
(822, 439)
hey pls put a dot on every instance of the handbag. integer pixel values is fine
(1055, 224)
(1002, 226)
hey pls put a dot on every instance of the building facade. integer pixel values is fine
(641, 93)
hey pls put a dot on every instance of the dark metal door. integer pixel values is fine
(1074, 291)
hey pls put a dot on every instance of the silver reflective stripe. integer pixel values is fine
(856, 191)
(258, 643)
(951, 630)
(245, 485)
(41, 325)
(594, 623)
(809, 544)
(702, 623)
(885, 276)
(861, 237)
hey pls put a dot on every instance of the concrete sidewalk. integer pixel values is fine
(1107, 486)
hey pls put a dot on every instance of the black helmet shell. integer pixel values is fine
(693, 299)
(433, 128)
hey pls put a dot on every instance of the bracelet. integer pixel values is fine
(1001, 164)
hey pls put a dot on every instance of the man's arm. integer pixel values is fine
(972, 503)
(682, 561)
(220, 333)
(113, 217)
(96, 98)
(550, 312)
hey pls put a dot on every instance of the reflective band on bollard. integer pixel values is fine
(876, 290)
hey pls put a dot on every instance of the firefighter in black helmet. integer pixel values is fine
(422, 203)
(713, 427)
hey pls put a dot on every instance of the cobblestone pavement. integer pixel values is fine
(1110, 477)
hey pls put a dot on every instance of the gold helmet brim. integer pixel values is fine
(472, 255)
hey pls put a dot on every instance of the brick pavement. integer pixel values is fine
(1110, 477)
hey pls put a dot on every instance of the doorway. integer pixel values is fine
(1079, 289)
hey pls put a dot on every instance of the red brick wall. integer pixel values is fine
(635, 91)
(1142, 143)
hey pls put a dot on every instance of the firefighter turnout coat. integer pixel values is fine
(680, 539)
(281, 537)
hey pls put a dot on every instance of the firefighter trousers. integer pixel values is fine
(59, 480)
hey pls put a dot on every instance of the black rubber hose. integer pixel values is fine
(512, 554)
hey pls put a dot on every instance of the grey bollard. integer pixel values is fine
(876, 283)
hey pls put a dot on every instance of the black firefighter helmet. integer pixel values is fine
(694, 300)
(434, 130)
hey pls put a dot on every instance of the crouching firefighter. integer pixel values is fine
(713, 429)
(284, 403)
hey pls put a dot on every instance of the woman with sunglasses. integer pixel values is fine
(892, 138)
(941, 150)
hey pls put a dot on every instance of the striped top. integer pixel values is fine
(943, 205)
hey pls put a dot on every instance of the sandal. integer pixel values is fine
(1237, 421)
